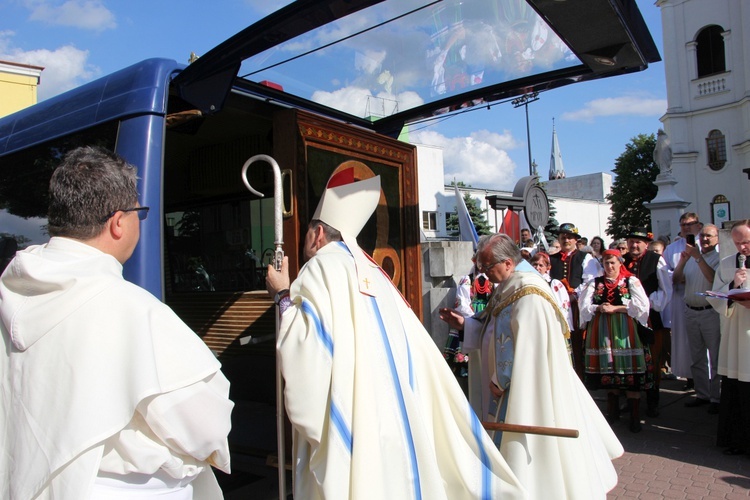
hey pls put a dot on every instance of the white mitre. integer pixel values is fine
(346, 205)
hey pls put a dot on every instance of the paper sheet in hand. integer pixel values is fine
(734, 294)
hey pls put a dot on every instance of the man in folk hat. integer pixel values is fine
(573, 268)
(651, 269)
(375, 410)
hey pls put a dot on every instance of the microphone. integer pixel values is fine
(741, 261)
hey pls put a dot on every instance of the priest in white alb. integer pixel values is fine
(526, 378)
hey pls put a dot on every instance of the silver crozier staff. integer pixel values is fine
(278, 257)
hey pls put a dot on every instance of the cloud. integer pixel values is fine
(361, 102)
(479, 160)
(84, 14)
(65, 67)
(613, 106)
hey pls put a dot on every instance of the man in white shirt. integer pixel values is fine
(695, 270)
(674, 314)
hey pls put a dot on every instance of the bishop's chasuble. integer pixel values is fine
(376, 412)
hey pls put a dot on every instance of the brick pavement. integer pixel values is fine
(675, 456)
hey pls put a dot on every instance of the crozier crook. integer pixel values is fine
(278, 254)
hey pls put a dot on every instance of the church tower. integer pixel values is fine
(706, 54)
(556, 169)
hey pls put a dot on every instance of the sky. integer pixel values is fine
(77, 41)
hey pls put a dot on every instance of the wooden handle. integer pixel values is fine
(531, 429)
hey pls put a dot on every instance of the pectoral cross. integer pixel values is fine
(367, 283)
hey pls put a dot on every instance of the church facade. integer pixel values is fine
(707, 121)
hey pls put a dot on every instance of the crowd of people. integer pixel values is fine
(107, 394)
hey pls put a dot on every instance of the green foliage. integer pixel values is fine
(552, 223)
(21, 240)
(475, 212)
(636, 172)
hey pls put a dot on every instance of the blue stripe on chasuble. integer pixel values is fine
(321, 332)
(339, 423)
(478, 431)
(400, 397)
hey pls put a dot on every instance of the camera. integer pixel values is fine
(690, 239)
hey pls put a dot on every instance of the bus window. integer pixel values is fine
(24, 183)
(218, 236)
(222, 246)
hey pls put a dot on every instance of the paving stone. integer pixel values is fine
(675, 456)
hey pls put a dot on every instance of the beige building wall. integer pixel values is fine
(18, 86)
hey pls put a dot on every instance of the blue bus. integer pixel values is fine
(316, 85)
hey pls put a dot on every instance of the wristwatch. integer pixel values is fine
(280, 295)
(699, 258)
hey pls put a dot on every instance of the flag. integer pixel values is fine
(511, 225)
(465, 224)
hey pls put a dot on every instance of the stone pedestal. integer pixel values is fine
(666, 208)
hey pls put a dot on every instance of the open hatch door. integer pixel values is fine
(384, 64)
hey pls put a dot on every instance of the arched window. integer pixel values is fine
(710, 51)
(716, 148)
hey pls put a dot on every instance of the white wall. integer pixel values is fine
(698, 105)
(590, 216)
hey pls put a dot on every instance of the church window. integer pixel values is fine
(710, 51)
(716, 149)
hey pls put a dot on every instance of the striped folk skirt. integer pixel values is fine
(615, 357)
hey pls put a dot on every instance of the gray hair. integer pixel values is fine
(503, 248)
(86, 187)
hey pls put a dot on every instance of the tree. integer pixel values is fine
(475, 212)
(552, 224)
(21, 240)
(634, 185)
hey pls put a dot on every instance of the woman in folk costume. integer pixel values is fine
(375, 411)
(616, 359)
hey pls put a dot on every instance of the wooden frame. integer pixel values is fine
(391, 236)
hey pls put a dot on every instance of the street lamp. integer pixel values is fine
(524, 101)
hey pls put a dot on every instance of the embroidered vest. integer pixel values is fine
(571, 269)
(645, 270)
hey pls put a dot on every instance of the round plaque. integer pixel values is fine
(536, 207)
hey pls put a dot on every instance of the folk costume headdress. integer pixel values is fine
(346, 205)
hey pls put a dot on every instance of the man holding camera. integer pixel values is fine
(695, 270)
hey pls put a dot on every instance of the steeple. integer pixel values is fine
(556, 169)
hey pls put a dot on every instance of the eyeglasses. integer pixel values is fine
(141, 211)
(688, 224)
(708, 235)
(483, 269)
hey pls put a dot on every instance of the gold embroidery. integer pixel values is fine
(532, 290)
